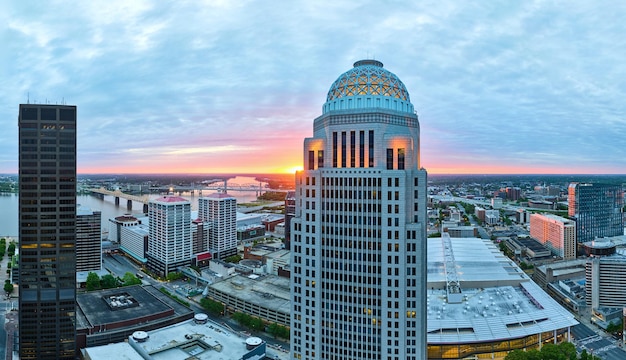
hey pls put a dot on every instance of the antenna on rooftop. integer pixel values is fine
(28, 97)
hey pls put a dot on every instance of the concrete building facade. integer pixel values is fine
(88, 239)
(606, 281)
(358, 233)
(219, 210)
(556, 233)
(169, 243)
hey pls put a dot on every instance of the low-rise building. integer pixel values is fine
(111, 315)
(496, 203)
(492, 217)
(197, 338)
(266, 297)
(559, 271)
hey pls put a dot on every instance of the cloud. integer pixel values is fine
(496, 83)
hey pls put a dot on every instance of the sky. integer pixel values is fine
(500, 87)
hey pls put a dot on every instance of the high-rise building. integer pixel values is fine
(606, 281)
(597, 209)
(513, 193)
(220, 211)
(88, 239)
(169, 242)
(556, 233)
(47, 230)
(358, 236)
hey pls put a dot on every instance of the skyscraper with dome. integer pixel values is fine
(358, 280)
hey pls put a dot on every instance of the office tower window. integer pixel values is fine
(401, 159)
(335, 149)
(352, 149)
(311, 161)
(389, 159)
(343, 149)
(361, 148)
(371, 149)
(320, 158)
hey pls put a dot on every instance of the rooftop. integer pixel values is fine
(499, 301)
(220, 195)
(94, 310)
(215, 342)
(122, 351)
(170, 199)
(269, 291)
(368, 85)
(185, 340)
(84, 211)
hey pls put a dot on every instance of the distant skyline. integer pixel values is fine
(500, 87)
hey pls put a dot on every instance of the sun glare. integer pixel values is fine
(292, 170)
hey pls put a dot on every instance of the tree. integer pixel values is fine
(8, 287)
(614, 327)
(278, 331)
(108, 281)
(11, 250)
(212, 306)
(233, 258)
(563, 351)
(516, 355)
(174, 276)
(568, 349)
(93, 281)
(130, 279)
(248, 321)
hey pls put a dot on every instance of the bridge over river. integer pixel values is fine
(175, 189)
(117, 194)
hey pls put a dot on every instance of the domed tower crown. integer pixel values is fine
(368, 85)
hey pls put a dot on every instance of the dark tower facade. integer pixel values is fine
(47, 230)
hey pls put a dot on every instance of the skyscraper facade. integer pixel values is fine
(597, 209)
(47, 230)
(169, 241)
(557, 233)
(358, 278)
(220, 211)
(88, 239)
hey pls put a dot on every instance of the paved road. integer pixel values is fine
(119, 265)
(7, 333)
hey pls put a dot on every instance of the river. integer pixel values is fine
(9, 205)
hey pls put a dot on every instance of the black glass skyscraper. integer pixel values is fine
(47, 230)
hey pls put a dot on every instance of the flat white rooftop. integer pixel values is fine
(499, 301)
(188, 340)
(122, 351)
(185, 340)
